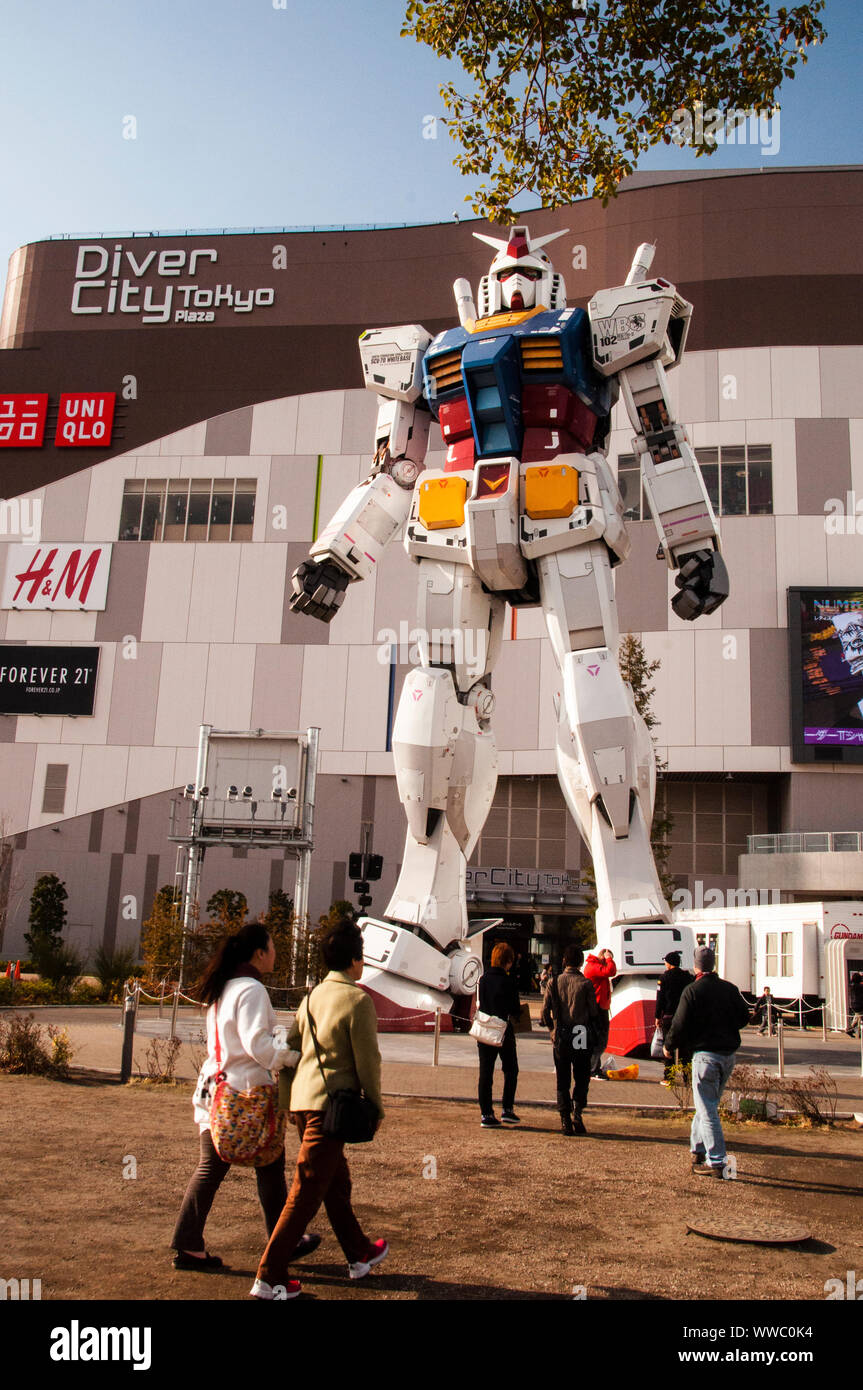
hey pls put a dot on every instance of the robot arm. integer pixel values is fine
(638, 330)
(349, 547)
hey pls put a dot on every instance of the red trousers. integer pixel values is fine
(322, 1176)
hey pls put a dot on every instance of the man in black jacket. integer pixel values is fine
(668, 991)
(570, 1010)
(708, 1020)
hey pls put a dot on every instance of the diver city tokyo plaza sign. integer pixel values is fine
(157, 286)
(72, 577)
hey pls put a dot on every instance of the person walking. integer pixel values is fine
(572, 1013)
(239, 1005)
(708, 1020)
(765, 1012)
(668, 991)
(498, 995)
(341, 1017)
(601, 970)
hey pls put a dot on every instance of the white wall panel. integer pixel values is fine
(169, 588)
(674, 701)
(749, 550)
(183, 679)
(195, 466)
(516, 682)
(795, 382)
(292, 486)
(340, 474)
(845, 557)
(782, 438)
(33, 729)
(186, 441)
(102, 780)
(322, 701)
(17, 761)
(693, 387)
(550, 682)
(67, 626)
(106, 497)
(750, 368)
(29, 627)
(801, 557)
(212, 610)
(539, 762)
(319, 424)
(185, 766)
(752, 759)
(355, 621)
(722, 695)
(855, 430)
(228, 694)
(366, 704)
(150, 770)
(342, 764)
(274, 427)
(260, 593)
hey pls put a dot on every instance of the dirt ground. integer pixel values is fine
(470, 1214)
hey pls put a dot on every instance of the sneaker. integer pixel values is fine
(307, 1245)
(361, 1268)
(490, 1122)
(275, 1292)
(509, 1117)
(709, 1170)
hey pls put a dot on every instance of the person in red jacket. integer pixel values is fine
(600, 970)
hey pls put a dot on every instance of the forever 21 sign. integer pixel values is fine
(48, 680)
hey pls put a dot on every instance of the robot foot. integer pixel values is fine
(409, 979)
(402, 1006)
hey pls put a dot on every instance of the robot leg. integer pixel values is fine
(604, 752)
(418, 957)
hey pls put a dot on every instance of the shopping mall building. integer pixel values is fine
(180, 414)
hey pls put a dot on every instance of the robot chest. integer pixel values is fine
(504, 397)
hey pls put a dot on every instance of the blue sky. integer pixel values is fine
(251, 115)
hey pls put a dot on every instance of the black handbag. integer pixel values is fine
(349, 1116)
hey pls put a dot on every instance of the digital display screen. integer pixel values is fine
(826, 632)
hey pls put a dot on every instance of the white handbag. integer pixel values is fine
(656, 1051)
(487, 1028)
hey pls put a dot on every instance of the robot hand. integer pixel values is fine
(703, 582)
(319, 589)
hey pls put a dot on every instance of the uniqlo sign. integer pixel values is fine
(56, 576)
(22, 420)
(85, 419)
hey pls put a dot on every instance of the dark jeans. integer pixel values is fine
(574, 1065)
(206, 1181)
(602, 1024)
(322, 1175)
(508, 1060)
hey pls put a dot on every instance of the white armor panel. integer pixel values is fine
(634, 322)
(367, 519)
(393, 360)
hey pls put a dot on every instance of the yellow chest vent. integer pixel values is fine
(541, 354)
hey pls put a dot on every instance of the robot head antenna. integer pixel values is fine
(521, 275)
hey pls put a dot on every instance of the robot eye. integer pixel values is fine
(528, 272)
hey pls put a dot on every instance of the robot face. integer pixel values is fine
(521, 275)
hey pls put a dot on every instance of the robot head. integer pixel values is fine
(521, 275)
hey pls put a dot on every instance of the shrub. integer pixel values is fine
(83, 993)
(814, 1096)
(162, 1059)
(680, 1077)
(62, 965)
(24, 1051)
(113, 968)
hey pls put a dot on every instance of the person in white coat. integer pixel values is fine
(251, 1055)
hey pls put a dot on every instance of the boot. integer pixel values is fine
(566, 1123)
(578, 1124)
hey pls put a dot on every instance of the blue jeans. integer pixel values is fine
(710, 1073)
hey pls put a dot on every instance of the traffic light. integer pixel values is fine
(374, 866)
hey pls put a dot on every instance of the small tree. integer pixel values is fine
(47, 915)
(227, 911)
(162, 937)
(279, 921)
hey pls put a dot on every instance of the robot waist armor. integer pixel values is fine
(507, 514)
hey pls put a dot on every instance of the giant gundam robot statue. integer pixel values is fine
(525, 511)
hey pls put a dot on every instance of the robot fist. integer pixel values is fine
(319, 589)
(703, 583)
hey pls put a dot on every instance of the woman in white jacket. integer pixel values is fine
(233, 987)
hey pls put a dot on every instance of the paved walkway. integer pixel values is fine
(96, 1035)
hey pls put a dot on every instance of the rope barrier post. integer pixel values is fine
(436, 1036)
(824, 1021)
(769, 1014)
(176, 1005)
(129, 1015)
(780, 1046)
(861, 1049)
(161, 996)
(800, 1011)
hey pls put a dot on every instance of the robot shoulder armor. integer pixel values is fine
(392, 360)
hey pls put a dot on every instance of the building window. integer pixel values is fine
(54, 794)
(525, 827)
(779, 954)
(738, 478)
(771, 954)
(787, 953)
(188, 509)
